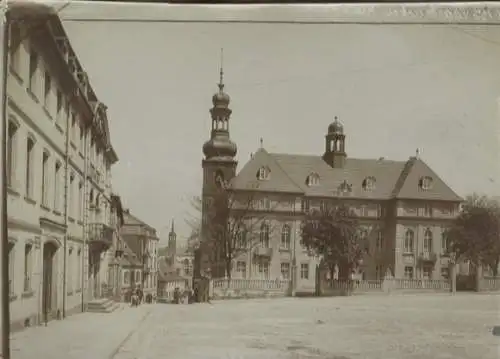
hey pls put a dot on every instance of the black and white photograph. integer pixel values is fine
(250, 181)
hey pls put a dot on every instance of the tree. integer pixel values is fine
(334, 234)
(475, 234)
(234, 223)
(194, 223)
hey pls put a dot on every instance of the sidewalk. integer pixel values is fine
(81, 336)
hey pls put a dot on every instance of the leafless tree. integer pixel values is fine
(234, 223)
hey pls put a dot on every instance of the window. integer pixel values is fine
(78, 266)
(137, 276)
(47, 89)
(45, 179)
(11, 153)
(264, 235)
(70, 194)
(368, 183)
(304, 271)
(80, 201)
(427, 272)
(425, 183)
(285, 237)
(408, 272)
(187, 267)
(363, 237)
(445, 273)
(28, 266)
(428, 241)
(57, 185)
(445, 243)
(241, 268)
(409, 238)
(265, 203)
(59, 102)
(69, 273)
(323, 206)
(82, 136)
(264, 268)
(428, 210)
(363, 211)
(30, 146)
(305, 205)
(33, 66)
(285, 270)
(380, 240)
(15, 42)
(241, 241)
(12, 268)
(126, 277)
(379, 272)
(312, 179)
(263, 173)
(73, 134)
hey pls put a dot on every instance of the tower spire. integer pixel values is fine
(221, 73)
(172, 227)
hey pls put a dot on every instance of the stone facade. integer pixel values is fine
(59, 158)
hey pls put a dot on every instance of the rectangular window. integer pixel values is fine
(45, 179)
(80, 201)
(264, 269)
(33, 67)
(71, 188)
(57, 186)
(305, 205)
(285, 270)
(59, 102)
(11, 153)
(126, 277)
(241, 268)
(408, 272)
(14, 46)
(28, 266)
(304, 271)
(30, 147)
(427, 273)
(445, 273)
(78, 268)
(47, 90)
(69, 274)
(12, 268)
(380, 240)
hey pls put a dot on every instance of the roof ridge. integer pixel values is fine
(403, 176)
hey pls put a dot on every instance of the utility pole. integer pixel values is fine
(4, 245)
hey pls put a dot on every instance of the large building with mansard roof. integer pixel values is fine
(404, 206)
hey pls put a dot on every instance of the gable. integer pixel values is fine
(439, 190)
(277, 181)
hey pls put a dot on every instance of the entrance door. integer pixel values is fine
(49, 250)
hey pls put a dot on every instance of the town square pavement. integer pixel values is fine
(430, 326)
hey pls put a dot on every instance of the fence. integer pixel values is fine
(489, 284)
(224, 288)
(346, 287)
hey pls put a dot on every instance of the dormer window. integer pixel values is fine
(425, 183)
(312, 179)
(369, 183)
(263, 173)
(345, 187)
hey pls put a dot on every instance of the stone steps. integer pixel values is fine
(102, 306)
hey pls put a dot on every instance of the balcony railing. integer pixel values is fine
(263, 251)
(428, 257)
(100, 233)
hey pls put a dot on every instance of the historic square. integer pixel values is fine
(211, 190)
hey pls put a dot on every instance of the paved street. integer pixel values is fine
(399, 326)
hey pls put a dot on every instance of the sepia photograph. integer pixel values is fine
(250, 181)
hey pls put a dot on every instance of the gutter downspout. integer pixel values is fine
(85, 211)
(4, 246)
(66, 205)
(294, 257)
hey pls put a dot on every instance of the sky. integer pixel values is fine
(395, 88)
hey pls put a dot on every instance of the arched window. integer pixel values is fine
(369, 183)
(285, 237)
(11, 152)
(241, 241)
(409, 238)
(263, 173)
(30, 149)
(428, 241)
(312, 179)
(264, 235)
(425, 183)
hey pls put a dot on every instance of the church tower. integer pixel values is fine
(172, 241)
(219, 164)
(335, 154)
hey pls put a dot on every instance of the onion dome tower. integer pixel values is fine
(335, 154)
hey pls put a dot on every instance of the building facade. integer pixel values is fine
(59, 158)
(404, 207)
(142, 243)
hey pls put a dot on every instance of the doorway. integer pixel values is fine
(48, 287)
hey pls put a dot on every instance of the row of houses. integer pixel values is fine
(70, 240)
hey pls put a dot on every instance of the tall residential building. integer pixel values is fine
(59, 158)
(404, 206)
(141, 255)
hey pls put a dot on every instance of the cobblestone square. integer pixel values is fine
(436, 326)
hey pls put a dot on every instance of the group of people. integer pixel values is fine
(137, 297)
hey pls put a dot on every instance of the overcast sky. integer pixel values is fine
(396, 88)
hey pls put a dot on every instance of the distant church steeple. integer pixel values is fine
(335, 154)
(172, 240)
